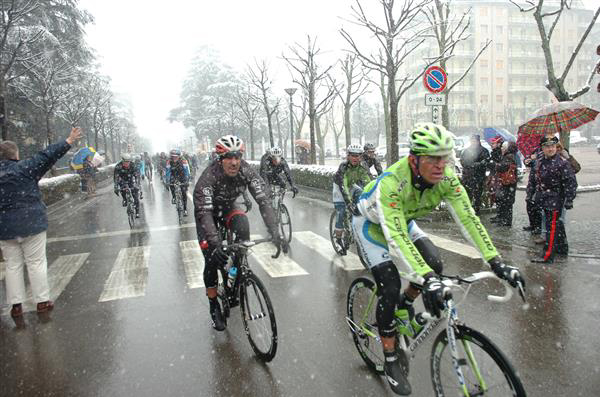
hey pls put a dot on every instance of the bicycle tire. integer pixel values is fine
(336, 247)
(130, 216)
(368, 347)
(255, 310)
(285, 222)
(505, 381)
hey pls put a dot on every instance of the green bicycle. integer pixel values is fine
(473, 367)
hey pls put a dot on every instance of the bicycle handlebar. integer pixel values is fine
(251, 243)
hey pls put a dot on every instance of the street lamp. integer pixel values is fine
(290, 92)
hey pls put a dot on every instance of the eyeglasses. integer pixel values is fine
(435, 160)
(232, 155)
(353, 154)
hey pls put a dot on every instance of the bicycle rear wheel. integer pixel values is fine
(361, 306)
(258, 317)
(485, 369)
(130, 216)
(285, 223)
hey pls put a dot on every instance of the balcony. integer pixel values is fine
(523, 20)
(534, 72)
(524, 38)
(527, 88)
(526, 54)
(463, 88)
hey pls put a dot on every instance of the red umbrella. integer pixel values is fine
(552, 119)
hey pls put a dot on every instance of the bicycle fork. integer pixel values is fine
(457, 362)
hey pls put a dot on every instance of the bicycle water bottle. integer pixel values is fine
(231, 276)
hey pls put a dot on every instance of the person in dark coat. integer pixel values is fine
(474, 160)
(534, 212)
(492, 183)
(556, 187)
(506, 171)
(23, 221)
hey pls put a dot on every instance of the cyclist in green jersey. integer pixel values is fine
(386, 233)
(349, 173)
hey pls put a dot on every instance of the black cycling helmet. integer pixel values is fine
(369, 146)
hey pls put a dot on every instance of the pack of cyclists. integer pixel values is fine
(384, 212)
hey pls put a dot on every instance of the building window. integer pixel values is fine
(499, 47)
(557, 49)
(499, 98)
(484, 81)
(484, 63)
(484, 29)
(484, 99)
(499, 29)
(483, 11)
(499, 64)
(499, 81)
(499, 118)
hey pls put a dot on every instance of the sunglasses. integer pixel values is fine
(353, 155)
(232, 155)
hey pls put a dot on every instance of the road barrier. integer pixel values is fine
(63, 186)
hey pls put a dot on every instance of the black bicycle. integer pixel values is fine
(130, 207)
(281, 212)
(250, 293)
(179, 202)
(341, 244)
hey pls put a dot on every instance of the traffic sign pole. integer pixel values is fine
(436, 114)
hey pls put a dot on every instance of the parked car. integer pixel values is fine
(598, 148)
(575, 138)
(403, 150)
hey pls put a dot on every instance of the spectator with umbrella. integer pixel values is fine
(556, 188)
(506, 171)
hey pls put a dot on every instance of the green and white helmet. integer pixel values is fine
(431, 140)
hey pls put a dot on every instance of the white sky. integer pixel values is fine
(145, 46)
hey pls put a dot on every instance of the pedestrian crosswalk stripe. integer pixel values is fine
(193, 263)
(323, 247)
(283, 266)
(60, 273)
(455, 247)
(2, 267)
(129, 275)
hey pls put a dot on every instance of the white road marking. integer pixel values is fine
(283, 266)
(60, 274)
(129, 275)
(2, 270)
(193, 263)
(455, 246)
(323, 247)
(119, 233)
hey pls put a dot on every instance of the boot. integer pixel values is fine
(216, 315)
(395, 375)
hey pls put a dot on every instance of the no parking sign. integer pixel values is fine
(435, 79)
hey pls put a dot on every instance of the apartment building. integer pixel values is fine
(507, 83)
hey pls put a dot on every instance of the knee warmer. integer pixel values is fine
(388, 289)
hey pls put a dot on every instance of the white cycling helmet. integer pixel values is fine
(276, 151)
(126, 156)
(229, 143)
(355, 148)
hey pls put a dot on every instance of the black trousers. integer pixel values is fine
(184, 197)
(474, 187)
(556, 236)
(534, 213)
(505, 200)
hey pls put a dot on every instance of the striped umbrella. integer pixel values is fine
(552, 119)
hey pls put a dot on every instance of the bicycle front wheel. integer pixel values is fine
(361, 306)
(339, 249)
(486, 371)
(258, 317)
(130, 216)
(285, 222)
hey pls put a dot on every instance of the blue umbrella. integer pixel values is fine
(80, 156)
(489, 133)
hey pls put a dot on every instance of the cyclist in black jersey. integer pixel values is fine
(125, 177)
(369, 159)
(272, 165)
(216, 191)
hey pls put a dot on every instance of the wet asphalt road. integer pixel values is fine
(161, 343)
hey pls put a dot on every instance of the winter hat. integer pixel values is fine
(549, 141)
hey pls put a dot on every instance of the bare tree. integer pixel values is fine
(355, 85)
(76, 105)
(556, 82)
(397, 40)
(313, 80)
(246, 102)
(258, 76)
(336, 127)
(448, 34)
(44, 85)
(98, 108)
